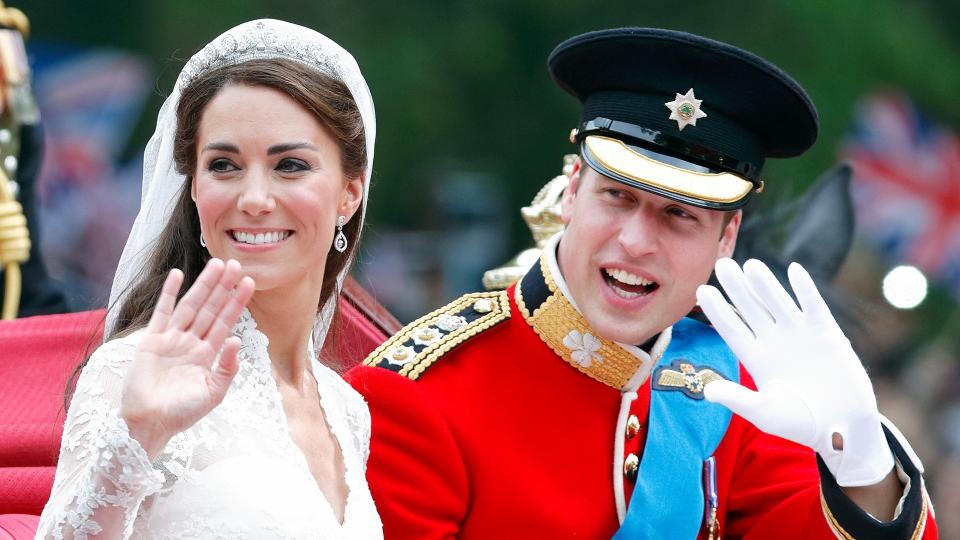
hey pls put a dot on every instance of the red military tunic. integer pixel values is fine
(481, 429)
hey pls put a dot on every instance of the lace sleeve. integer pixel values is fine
(103, 474)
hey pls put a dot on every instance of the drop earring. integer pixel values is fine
(340, 241)
(203, 243)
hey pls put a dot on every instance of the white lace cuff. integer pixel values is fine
(108, 494)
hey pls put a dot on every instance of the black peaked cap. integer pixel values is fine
(754, 109)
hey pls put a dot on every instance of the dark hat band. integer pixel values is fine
(716, 141)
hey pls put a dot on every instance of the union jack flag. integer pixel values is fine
(906, 186)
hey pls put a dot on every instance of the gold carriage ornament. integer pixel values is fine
(17, 108)
(543, 218)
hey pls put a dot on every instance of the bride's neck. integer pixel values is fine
(287, 321)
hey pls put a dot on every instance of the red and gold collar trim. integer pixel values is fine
(561, 326)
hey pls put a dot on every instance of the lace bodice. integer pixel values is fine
(234, 474)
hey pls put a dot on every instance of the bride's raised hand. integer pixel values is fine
(173, 381)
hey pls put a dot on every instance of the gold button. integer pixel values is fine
(630, 466)
(633, 426)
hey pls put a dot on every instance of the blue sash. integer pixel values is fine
(683, 431)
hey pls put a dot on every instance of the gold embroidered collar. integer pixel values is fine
(561, 326)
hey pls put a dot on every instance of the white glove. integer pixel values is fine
(810, 383)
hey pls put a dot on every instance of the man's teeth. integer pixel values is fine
(625, 294)
(260, 238)
(626, 277)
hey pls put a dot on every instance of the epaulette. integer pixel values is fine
(421, 343)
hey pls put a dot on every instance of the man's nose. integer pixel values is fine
(640, 233)
(256, 197)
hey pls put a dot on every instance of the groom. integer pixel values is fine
(582, 403)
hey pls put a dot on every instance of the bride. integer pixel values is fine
(206, 413)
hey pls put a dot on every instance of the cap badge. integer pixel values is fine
(685, 109)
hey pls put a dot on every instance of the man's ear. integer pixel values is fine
(352, 197)
(569, 194)
(577, 165)
(728, 238)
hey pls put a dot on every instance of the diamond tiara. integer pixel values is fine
(260, 42)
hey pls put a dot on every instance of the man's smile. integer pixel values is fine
(628, 285)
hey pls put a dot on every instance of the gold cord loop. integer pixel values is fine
(14, 18)
(14, 247)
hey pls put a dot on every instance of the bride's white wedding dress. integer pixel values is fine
(234, 474)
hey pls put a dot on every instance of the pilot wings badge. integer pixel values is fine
(684, 377)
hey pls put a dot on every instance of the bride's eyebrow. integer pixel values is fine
(221, 147)
(286, 147)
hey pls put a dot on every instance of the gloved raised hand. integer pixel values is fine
(810, 383)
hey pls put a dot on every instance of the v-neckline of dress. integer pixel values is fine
(326, 407)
